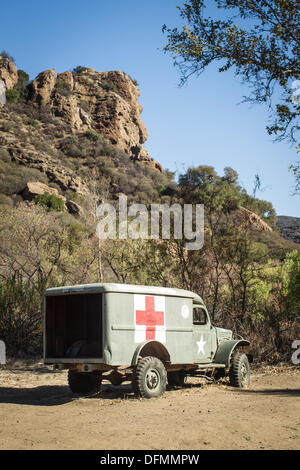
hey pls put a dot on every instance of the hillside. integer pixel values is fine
(289, 227)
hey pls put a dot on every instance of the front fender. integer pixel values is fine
(225, 350)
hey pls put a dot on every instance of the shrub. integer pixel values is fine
(19, 92)
(93, 135)
(61, 84)
(32, 122)
(13, 177)
(109, 86)
(13, 95)
(5, 55)
(50, 202)
(79, 69)
(135, 82)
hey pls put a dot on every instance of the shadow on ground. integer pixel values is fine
(284, 392)
(49, 395)
(54, 395)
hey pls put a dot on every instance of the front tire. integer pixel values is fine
(150, 378)
(239, 374)
(84, 382)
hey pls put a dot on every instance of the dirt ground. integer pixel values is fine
(38, 411)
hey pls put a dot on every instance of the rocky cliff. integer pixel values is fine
(59, 129)
(289, 228)
(104, 102)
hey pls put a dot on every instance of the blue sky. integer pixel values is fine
(201, 123)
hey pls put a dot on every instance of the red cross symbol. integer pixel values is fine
(149, 317)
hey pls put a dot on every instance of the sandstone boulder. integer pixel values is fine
(65, 80)
(35, 188)
(43, 86)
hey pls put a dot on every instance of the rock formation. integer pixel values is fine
(105, 102)
(247, 218)
(35, 188)
(8, 73)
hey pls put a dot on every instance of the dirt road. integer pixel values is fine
(37, 411)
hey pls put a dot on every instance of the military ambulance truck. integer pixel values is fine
(148, 335)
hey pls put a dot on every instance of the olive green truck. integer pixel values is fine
(148, 335)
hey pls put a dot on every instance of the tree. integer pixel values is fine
(22, 85)
(6, 55)
(258, 39)
(202, 185)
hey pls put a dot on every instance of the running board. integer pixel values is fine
(211, 366)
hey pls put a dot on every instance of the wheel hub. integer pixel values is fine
(152, 379)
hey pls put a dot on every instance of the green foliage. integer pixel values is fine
(13, 95)
(79, 69)
(202, 185)
(128, 261)
(263, 51)
(291, 286)
(20, 91)
(50, 202)
(6, 55)
(61, 84)
(22, 85)
(93, 135)
(258, 40)
(109, 86)
(33, 122)
(135, 82)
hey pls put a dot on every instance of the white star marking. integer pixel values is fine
(201, 344)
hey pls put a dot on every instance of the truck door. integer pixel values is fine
(202, 336)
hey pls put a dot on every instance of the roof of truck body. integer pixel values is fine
(126, 288)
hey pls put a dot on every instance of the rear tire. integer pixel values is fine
(150, 378)
(239, 373)
(84, 382)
